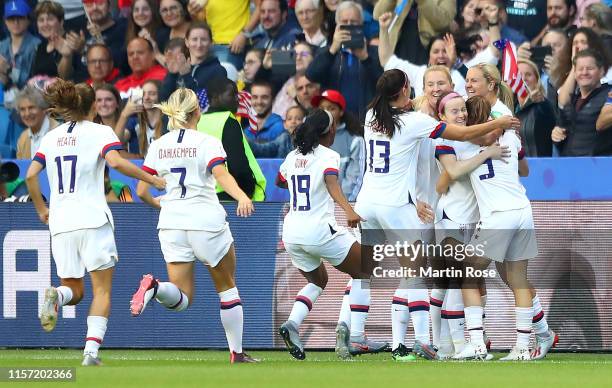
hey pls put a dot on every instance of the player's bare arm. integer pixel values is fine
(229, 185)
(335, 191)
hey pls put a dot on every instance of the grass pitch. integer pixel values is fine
(209, 368)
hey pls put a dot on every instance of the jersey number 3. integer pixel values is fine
(384, 154)
(491, 172)
(301, 184)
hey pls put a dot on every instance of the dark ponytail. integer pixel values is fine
(388, 88)
(307, 134)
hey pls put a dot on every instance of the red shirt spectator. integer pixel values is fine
(141, 59)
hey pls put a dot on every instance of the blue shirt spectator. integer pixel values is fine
(277, 33)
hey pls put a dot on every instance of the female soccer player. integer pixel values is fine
(310, 232)
(457, 211)
(79, 219)
(386, 200)
(192, 222)
(506, 234)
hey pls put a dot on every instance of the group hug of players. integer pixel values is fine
(436, 171)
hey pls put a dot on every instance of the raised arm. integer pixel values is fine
(384, 42)
(456, 132)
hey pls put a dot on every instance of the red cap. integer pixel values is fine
(332, 96)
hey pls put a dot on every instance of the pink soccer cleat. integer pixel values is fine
(146, 292)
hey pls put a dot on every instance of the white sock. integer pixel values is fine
(524, 315)
(540, 326)
(399, 314)
(435, 307)
(304, 301)
(445, 344)
(345, 310)
(418, 305)
(473, 321)
(360, 305)
(456, 318)
(171, 297)
(232, 318)
(96, 328)
(64, 295)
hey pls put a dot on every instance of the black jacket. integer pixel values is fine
(582, 138)
(356, 80)
(196, 80)
(537, 122)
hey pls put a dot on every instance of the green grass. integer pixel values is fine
(178, 368)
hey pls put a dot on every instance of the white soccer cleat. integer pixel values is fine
(90, 360)
(517, 354)
(473, 352)
(48, 313)
(543, 345)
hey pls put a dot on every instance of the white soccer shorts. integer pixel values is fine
(184, 246)
(309, 257)
(507, 235)
(446, 228)
(390, 224)
(91, 249)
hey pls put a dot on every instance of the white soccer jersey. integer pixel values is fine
(74, 154)
(496, 183)
(427, 173)
(500, 109)
(185, 158)
(311, 212)
(391, 163)
(459, 203)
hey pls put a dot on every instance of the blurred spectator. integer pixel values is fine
(9, 130)
(202, 68)
(560, 14)
(142, 63)
(582, 39)
(140, 123)
(252, 63)
(536, 113)
(417, 22)
(329, 18)
(348, 142)
(144, 21)
(286, 96)
(283, 144)
(578, 133)
(219, 121)
(116, 191)
(74, 15)
(231, 26)
(441, 52)
(305, 91)
(467, 17)
(310, 18)
(501, 18)
(269, 125)
(100, 66)
(605, 118)
(598, 17)
(175, 20)
(108, 105)
(17, 51)
(55, 54)
(353, 72)
(104, 29)
(32, 106)
(527, 16)
(581, 6)
(277, 33)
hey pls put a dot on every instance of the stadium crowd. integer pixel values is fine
(259, 66)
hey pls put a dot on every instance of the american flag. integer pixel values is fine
(203, 100)
(510, 73)
(245, 109)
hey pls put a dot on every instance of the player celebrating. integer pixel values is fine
(457, 211)
(310, 233)
(79, 219)
(392, 135)
(192, 221)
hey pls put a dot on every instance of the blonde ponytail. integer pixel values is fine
(180, 108)
(503, 91)
(505, 94)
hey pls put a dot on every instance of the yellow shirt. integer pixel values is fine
(227, 18)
